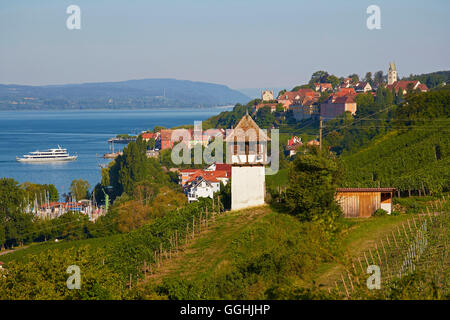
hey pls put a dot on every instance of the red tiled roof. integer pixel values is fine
(224, 167)
(345, 92)
(209, 175)
(344, 99)
(148, 135)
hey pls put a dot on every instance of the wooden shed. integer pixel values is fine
(363, 202)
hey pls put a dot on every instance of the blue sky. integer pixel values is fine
(239, 43)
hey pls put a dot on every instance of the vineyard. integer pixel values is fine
(412, 259)
(415, 162)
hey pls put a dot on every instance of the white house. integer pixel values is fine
(202, 188)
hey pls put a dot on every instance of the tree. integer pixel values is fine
(313, 179)
(368, 78)
(354, 77)
(158, 128)
(333, 80)
(319, 77)
(378, 77)
(79, 189)
(15, 224)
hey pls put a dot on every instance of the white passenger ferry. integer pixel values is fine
(50, 155)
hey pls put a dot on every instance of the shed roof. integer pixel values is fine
(365, 189)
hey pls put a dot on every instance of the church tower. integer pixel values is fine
(247, 151)
(392, 73)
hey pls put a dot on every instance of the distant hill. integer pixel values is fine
(146, 93)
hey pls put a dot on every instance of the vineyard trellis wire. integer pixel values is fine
(418, 244)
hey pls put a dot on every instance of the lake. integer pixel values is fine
(82, 132)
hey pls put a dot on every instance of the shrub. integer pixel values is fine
(380, 213)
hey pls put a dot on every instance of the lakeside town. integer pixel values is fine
(317, 101)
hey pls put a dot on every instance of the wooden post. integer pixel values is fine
(351, 282)
(345, 286)
(389, 243)
(200, 222)
(409, 226)
(384, 251)
(395, 240)
(360, 264)
(193, 227)
(176, 241)
(415, 225)
(404, 230)
(379, 258)
(356, 273)
(371, 256)
(365, 257)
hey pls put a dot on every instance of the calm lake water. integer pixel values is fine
(82, 132)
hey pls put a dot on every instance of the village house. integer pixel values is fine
(347, 83)
(406, 86)
(220, 167)
(202, 183)
(146, 136)
(342, 92)
(293, 144)
(186, 174)
(322, 87)
(334, 107)
(272, 106)
(202, 187)
(309, 108)
(363, 87)
(295, 97)
(165, 139)
(363, 202)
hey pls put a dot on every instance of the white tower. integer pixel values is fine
(247, 145)
(392, 73)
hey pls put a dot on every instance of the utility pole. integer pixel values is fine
(320, 137)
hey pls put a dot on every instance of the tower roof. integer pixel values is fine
(392, 66)
(246, 124)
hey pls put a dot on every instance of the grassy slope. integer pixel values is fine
(245, 234)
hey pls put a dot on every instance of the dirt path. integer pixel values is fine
(14, 250)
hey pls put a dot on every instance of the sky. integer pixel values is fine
(238, 43)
